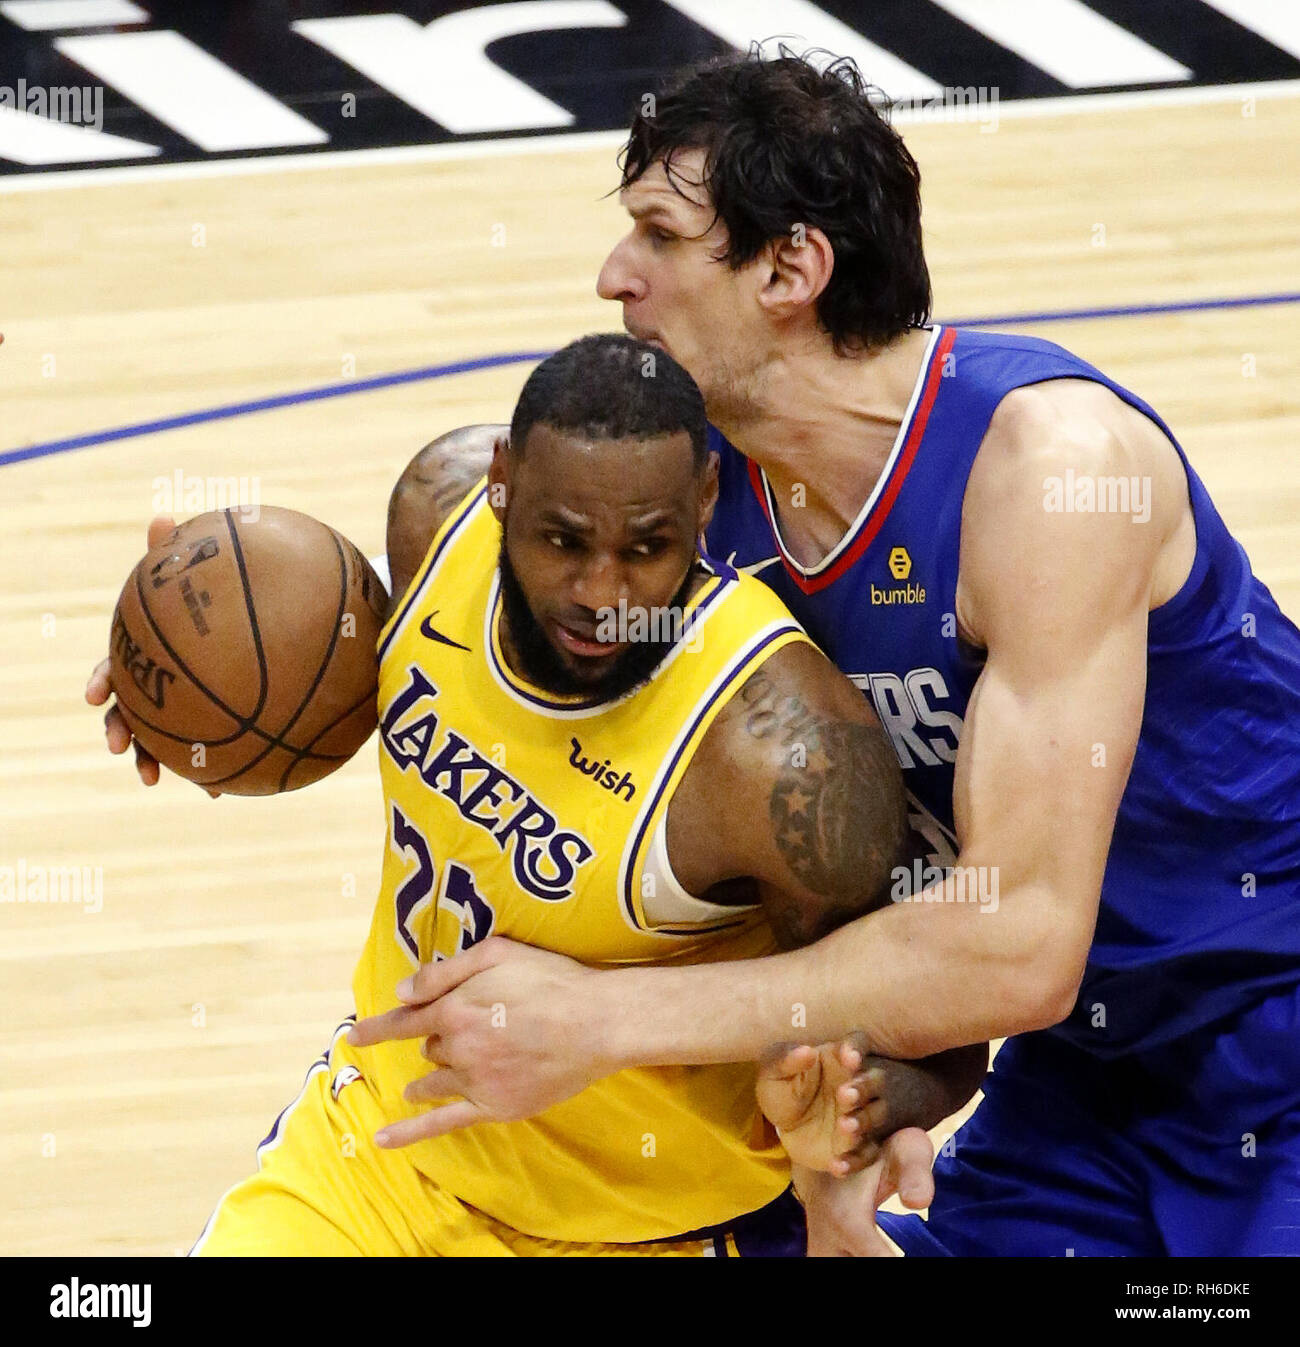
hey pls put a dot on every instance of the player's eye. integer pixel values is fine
(563, 542)
(659, 236)
(648, 547)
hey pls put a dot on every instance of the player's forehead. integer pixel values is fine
(636, 485)
(674, 185)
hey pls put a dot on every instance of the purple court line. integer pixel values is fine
(339, 390)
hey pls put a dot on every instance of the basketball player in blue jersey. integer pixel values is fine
(1095, 703)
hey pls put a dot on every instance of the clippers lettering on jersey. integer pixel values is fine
(545, 857)
(601, 772)
(912, 710)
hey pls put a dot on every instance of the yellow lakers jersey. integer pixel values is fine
(518, 813)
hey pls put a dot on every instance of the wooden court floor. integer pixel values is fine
(147, 1046)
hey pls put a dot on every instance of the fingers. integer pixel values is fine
(404, 1022)
(853, 1050)
(116, 733)
(432, 980)
(118, 737)
(854, 1145)
(785, 1061)
(865, 1088)
(436, 1123)
(444, 1083)
(98, 688)
(161, 527)
(862, 1104)
(907, 1169)
(146, 766)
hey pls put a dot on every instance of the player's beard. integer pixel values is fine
(540, 662)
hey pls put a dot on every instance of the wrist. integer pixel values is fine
(613, 994)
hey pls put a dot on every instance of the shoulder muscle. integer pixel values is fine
(431, 486)
(795, 787)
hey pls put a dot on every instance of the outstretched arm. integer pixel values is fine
(795, 796)
(1060, 602)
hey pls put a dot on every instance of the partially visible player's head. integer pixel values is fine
(772, 203)
(602, 490)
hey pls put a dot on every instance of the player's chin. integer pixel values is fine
(596, 673)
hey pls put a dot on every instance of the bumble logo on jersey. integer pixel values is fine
(515, 812)
(900, 567)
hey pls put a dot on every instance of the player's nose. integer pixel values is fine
(600, 584)
(618, 279)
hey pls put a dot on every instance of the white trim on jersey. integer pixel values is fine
(809, 572)
(636, 844)
(276, 1136)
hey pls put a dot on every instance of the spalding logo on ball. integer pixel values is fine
(243, 651)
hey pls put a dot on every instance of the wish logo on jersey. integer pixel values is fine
(912, 708)
(545, 857)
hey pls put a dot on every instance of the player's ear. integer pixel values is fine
(499, 477)
(708, 492)
(800, 268)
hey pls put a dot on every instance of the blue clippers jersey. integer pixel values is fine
(1200, 904)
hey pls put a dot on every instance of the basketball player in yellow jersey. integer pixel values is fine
(595, 741)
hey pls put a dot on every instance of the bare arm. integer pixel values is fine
(1060, 601)
(797, 792)
(434, 482)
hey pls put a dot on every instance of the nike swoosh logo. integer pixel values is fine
(754, 568)
(426, 629)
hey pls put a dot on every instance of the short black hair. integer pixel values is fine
(789, 142)
(612, 387)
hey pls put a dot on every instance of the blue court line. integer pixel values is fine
(339, 390)
(1130, 310)
(411, 376)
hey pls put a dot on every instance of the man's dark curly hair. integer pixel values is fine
(787, 143)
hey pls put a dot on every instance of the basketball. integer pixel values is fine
(243, 651)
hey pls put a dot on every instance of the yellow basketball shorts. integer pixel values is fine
(323, 1189)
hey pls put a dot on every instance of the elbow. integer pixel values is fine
(1047, 1003)
(1042, 978)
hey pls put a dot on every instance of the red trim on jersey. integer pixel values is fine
(756, 481)
(812, 584)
